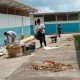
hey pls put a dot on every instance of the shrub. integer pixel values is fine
(77, 38)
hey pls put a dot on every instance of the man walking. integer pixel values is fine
(59, 30)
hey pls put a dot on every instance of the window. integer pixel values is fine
(61, 17)
(49, 17)
(73, 16)
(38, 15)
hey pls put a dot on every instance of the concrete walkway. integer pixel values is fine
(17, 68)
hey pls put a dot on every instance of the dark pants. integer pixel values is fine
(59, 32)
(42, 39)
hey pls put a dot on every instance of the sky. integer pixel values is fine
(53, 5)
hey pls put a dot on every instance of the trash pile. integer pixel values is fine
(13, 45)
(50, 66)
(68, 39)
(13, 49)
(67, 44)
(3, 51)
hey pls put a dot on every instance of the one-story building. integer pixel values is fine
(14, 16)
(70, 21)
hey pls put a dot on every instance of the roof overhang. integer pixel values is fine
(17, 5)
(41, 13)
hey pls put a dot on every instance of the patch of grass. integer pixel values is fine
(77, 39)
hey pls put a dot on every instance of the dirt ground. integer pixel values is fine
(65, 54)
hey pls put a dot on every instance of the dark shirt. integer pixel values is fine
(59, 29)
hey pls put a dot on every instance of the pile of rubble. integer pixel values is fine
(68, 39)
(13, 45)
(50, 66)
(13, 49)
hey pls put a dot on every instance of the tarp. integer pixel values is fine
(28, 39)
(49, 48)
(3, 51)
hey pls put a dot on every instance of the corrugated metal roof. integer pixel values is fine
(16, 5)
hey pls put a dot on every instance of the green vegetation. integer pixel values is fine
(77, 40)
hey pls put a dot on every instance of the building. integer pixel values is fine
(70, 21)
(14, 16)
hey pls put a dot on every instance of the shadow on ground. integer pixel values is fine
(77, 51)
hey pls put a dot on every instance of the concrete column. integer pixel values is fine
(22, 25)
(67, 16)
(79, 21)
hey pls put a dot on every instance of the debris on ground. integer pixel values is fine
(67, 44)
(49, 48)
(13, 49)
(3, 51)
(70, 39)
(50, 66)
(67, 39)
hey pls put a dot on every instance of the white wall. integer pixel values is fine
(3, 20)
(31, 20)
(26, 21)
(8, 21)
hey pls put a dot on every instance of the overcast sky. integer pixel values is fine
(53, 5)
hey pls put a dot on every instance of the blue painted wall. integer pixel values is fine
(32, 29)
(70, 27)
(49, 28)
(66, 28)
(52, 28)
(18, 31)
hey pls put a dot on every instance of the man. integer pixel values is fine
(40, 29)
(10, 34)
(59, 30)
